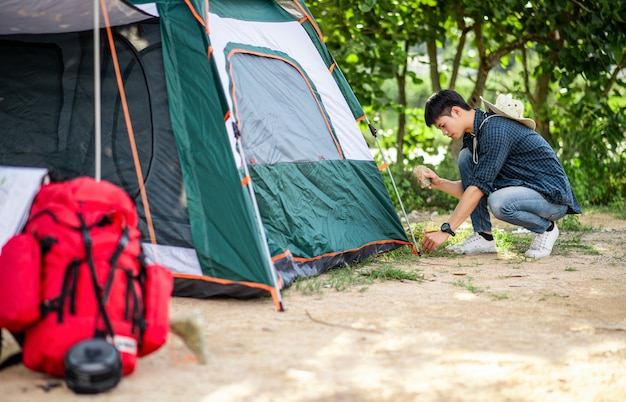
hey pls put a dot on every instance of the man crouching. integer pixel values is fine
(506, 166)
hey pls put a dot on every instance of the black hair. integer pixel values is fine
(441, 103)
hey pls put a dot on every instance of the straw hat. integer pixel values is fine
(508, 107)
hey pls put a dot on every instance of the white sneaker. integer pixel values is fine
(543, 243)
(475, 244)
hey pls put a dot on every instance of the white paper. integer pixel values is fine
(18, 187)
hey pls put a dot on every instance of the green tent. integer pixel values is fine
(252, 159)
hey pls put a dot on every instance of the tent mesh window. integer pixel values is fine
(281, 117)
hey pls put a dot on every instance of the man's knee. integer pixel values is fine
(499, 205)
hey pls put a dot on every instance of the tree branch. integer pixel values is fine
(581, 6)
(529, 94)
(614, 76)
(459, 54)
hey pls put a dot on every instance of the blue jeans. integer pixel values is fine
(519, 206)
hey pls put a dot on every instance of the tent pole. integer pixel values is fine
(97, 90)
(258, 215)
(393, 183)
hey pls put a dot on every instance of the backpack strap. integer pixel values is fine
(121, 245)
(131, 294)
(68, 292)
(44, 212)
(142, 278)
(475, 138)
(132, 298)
(94, 278)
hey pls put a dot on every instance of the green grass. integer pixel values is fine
(392, 266)
(499, 296)
(340, 279)
(569, 241)
(467, 284)
(553, 294)
(566, 244)
(389, 272)
(397, 256)
(571, 223)
(361, 275)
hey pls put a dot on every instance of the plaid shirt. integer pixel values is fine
(510, 154)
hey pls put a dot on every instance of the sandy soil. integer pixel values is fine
(485, 328)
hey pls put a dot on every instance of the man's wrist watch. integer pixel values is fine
(446, 228)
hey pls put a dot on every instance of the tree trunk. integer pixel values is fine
(540, 97)
(431, 45)
(479, 86)
(401, 81)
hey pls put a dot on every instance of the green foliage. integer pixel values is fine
(571, 223)
(565, 59)
(593, 154)
(512, 243)
(619, 206)
(413, 196)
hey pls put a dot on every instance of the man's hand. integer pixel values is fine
(434, 179)
(433, 239)
(425, 177)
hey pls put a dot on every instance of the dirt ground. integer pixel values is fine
(477, 328)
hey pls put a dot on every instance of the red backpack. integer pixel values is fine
(77, 272)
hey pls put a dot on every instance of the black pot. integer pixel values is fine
(92, 366)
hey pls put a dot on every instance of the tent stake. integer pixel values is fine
(393, 183)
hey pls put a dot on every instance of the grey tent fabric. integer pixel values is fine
(287, 97)
(53, 16)
(47, 117)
